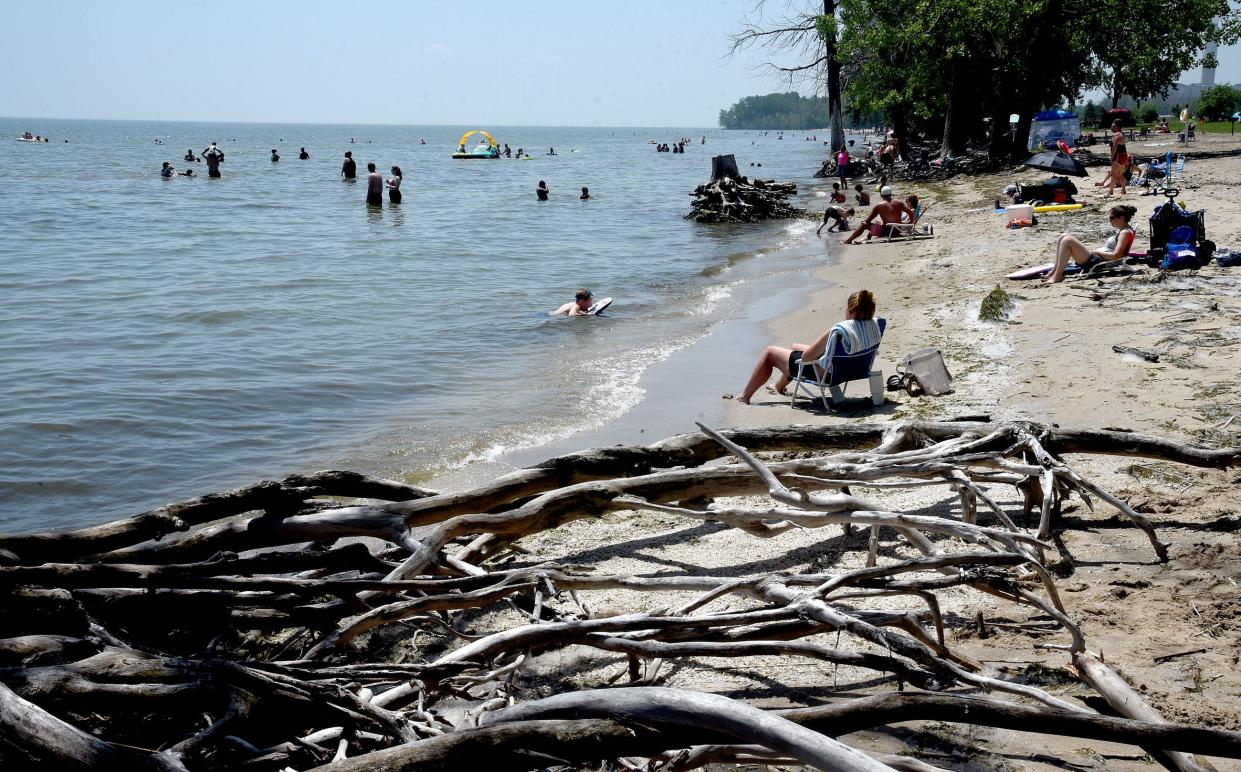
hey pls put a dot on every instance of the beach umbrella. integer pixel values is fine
(1057, 162)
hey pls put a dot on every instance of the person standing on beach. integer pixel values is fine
(541, 191)
(842, 167)
(213, 156)
(303, 156)
(374, 186)
(394, 186)
(349, 170)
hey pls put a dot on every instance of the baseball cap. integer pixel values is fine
(886, 190)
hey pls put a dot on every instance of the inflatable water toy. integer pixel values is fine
(598, 307)
(487, 147)
(1058, 207)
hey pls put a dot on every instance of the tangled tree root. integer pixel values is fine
(193, 637)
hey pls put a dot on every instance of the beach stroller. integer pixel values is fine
(1189, 228)
(842, 369)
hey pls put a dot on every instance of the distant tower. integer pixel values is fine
(1208, 73)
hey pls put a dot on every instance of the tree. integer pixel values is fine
(810, 40)
(1148, 114)
(1219, 102)
(969, 64)
(1092, 113)
(775, 111)
(1141, 60)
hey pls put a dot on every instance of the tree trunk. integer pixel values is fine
(833, 80)
(950, 145)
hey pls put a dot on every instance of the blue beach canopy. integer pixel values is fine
(1052, 125)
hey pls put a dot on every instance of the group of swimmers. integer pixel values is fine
(35, 138)
(542, 192)
(375, 183)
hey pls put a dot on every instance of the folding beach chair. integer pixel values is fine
(842, 368)
(910, 230)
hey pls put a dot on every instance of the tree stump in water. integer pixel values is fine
(740, 199)
(724, 166)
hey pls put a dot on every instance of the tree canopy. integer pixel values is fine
(1218, 102)
(956, 69)
(776, 111)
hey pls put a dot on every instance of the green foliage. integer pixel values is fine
(1141, 60)
(776, 111)
(1148, 114)
(1218, 102)
(956, 69)
(1091, 114)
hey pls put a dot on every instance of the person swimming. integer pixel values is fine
(580, 305)
(189, 156)
(274, 155)
(585, 194)
(303, 156)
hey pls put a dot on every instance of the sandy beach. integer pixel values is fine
(1051, 362)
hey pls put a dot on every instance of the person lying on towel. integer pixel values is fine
(1115, 248)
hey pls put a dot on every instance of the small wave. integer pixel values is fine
(616, 392)
(712, 298)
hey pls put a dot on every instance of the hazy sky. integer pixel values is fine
(560, 62)
(556, 62)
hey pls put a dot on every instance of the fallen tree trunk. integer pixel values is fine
(239, 631)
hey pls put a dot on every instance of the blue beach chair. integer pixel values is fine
(842, 369)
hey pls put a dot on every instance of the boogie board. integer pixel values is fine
(599, 307)
(1035, 271)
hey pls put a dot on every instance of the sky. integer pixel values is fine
(555, 62)
(564, 63)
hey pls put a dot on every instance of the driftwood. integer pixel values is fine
(237, 630)
(741, 199)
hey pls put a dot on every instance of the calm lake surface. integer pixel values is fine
(161, 339)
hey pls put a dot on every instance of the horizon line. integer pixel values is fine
(325, 123)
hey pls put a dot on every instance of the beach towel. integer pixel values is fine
(850, 337)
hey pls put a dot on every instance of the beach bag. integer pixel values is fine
(922, 373)
(1226, 258)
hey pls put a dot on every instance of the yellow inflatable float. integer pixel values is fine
(487, 147)
(1058, 207)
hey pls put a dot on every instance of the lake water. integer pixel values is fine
(160, 339)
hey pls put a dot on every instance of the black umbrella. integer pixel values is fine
(1057, 162)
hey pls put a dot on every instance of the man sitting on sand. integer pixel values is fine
(887, 211)
(581, 304)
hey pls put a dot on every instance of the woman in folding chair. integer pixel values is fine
(859, 331)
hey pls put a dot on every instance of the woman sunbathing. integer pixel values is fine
(1115, 248)
(859, 331)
